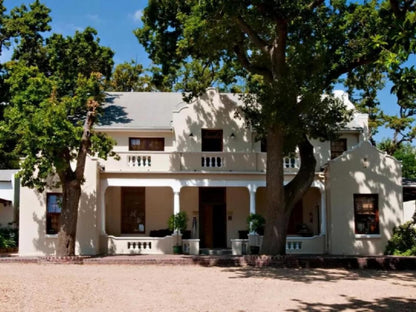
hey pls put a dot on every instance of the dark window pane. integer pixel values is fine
(53, 212)
(366, 214)
(212, 140)
(338, 147)
(147, 144)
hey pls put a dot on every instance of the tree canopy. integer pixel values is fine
(56, 92)
(287, 54)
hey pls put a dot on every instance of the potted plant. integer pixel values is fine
(177, 223)
(256, 226)
(256, 223)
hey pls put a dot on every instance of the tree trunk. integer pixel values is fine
(281, 199)
(275, 228)
(68, 221)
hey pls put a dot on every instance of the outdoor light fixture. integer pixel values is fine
(232, 136)
(191, 135)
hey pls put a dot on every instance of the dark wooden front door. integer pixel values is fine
(212, 217)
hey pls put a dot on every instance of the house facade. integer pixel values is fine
(203, 159)
(9, 198)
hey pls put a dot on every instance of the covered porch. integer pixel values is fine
(134, 215)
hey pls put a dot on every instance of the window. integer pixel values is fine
(338, 147)
(366, 214)
(147, 144)
(53, 212)
(133, 209)
(211, 140)
(263, 145)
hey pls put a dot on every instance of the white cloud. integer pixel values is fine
(137, 16)
(94, 18)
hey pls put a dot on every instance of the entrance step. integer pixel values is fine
(215, 251)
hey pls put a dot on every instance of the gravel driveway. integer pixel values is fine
(59, 287)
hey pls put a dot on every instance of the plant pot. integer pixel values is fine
(254, 250)
(177, 250)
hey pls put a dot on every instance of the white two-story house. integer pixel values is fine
(201, 159)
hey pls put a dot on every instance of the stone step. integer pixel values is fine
(215, 251)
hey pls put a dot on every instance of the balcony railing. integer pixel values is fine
(192, 161)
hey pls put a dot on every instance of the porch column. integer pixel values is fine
(102, 206)
(176, 203)
(252, 190)
(323, 212)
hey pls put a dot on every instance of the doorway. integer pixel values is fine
(212, 217)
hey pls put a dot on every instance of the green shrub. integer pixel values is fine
(256, 223)
(8, 238)
(403, 241)
(178, 221)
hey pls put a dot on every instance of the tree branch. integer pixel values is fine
(242, 57)
(314, 4)
(295, 189)
(245, 28)
(395, 6)
(86, 139)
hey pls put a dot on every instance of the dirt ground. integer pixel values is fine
(69, 287)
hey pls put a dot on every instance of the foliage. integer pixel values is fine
(8, 238)
(403, 241)
(287, 54)
(48, 109)
(178, 221)
(56, 96)
(130, 76)
(24, 26)
(405, 153)
(256, 223)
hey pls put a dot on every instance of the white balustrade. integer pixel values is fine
(293, 245)
(212, 162)
(139, 161)
(291, 162)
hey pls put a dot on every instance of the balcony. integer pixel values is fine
(192, 161)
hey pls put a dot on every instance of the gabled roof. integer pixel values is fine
(139, 110)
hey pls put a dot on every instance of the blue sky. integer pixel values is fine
(115, 22)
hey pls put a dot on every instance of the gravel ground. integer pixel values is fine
(92, 287)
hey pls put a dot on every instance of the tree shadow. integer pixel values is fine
(310, 276)
(113, 114)
(355, 304)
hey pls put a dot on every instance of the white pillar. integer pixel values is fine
(102, 206)
(176, 202)
(252, 191)
(323, 212)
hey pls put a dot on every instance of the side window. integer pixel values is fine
(146, 144)
(53, 212)
(338, 147)
(366, 214)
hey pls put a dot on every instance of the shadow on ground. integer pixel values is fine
(384, 305)
(303, 275)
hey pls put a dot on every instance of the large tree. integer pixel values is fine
(55, 100)
(289, 54)
(22, 25)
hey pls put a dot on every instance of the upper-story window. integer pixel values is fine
(211, 140)
(338, 147)
(146, 144)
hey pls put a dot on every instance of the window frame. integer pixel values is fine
(373, 218)
(338, 152)
(160, 142)
(52, 217)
